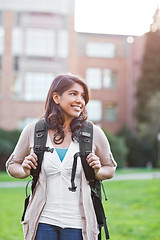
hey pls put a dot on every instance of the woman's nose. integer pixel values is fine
(79, 99)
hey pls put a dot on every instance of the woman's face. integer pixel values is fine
(71, 101)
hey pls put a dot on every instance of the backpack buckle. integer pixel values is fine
(48, 149)
(38, 135)
(86, 134)
(37, 148)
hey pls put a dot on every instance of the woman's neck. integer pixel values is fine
(66, 141)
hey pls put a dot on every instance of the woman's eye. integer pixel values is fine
(73, 94)
(83, 96)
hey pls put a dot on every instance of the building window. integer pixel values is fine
(36, 86)
(0, 62)
(0, 84)
(32, 86)
(101, 49)
(97, 78)
(1, 40)
(1, 18)
(109, 78)
(63, 44)
(94, 109)
(16, 88)
(111, 112)
(40, 42)
(17, 41)
(93, 78)
(18, 19)
(16, 63)
(24, 122)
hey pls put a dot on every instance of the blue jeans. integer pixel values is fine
(49, 232)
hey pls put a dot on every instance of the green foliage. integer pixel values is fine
(141, 152)
(150, 128)
(149, 82)
(118, 148)
(8, 140)
(148, 90)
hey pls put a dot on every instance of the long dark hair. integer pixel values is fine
(54, 116)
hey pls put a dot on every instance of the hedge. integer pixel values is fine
(8, 140)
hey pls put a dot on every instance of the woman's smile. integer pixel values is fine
(77, 107)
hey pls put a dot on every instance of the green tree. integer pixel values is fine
(118, 148)
(8, 140)
(149, 82)
(141, 152)
(150, 128)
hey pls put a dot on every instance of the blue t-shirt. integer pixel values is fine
(61, 152)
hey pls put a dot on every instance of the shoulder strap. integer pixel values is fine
(86, 141)
(85, 145)
(40, 138)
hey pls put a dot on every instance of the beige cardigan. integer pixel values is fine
(37, 200)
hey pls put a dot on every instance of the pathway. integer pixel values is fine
(119, 177)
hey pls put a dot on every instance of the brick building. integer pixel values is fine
(38, 41)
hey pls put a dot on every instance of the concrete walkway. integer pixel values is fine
(13, 184)
(118, 177)
(136, 176)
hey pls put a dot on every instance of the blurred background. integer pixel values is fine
(113, 45)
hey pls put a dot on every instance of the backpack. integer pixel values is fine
(85, 145)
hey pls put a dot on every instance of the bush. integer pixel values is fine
(141, 152)
(118, 148)
(8, 140)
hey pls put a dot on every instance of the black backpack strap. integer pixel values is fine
(73, 186)
(40, 138)
(86, 141)
(85, 146)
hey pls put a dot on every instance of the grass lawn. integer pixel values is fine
(133, 210)
(4, 177)
(11, 202)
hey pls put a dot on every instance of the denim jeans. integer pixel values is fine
(49, 232)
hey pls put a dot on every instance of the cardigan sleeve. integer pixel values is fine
(102, 147)
(23, 146)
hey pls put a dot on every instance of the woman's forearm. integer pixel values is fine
(16, 170)
(105, 172)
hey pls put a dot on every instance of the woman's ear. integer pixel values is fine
(55, 97)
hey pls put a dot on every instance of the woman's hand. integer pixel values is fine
(29, 162)
(94, 162)
(101, 172)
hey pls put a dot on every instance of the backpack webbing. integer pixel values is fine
(40, 138)
(85, 145)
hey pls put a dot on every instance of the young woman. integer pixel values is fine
(54, 212)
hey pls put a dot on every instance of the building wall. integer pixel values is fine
(26, 71)
(120, 63)
(23, 60)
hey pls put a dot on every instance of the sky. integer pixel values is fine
(120, 17)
